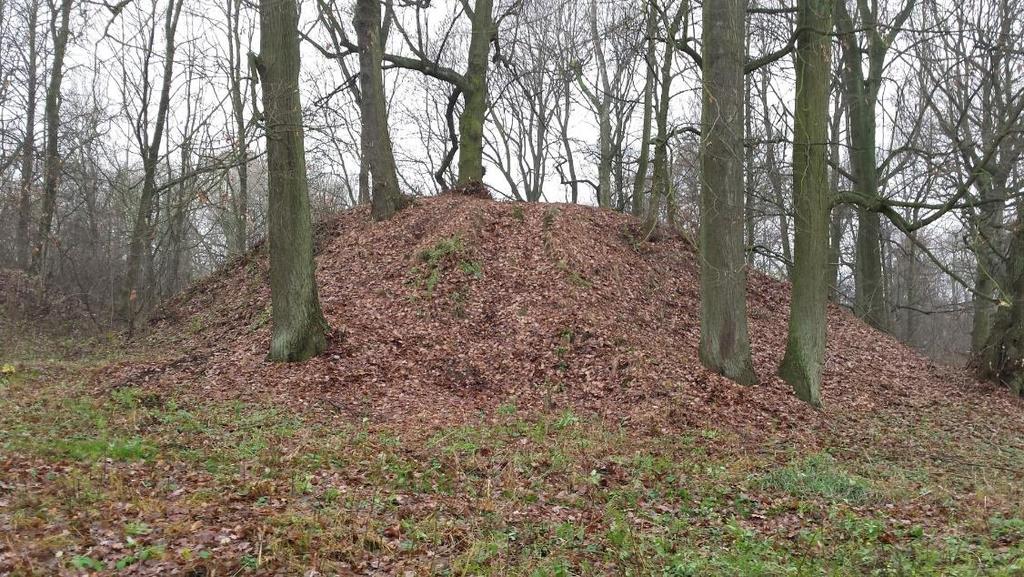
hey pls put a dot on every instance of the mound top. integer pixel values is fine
(461, 304)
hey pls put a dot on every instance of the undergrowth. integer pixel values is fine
(446, 254)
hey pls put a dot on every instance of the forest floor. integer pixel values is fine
(187, 454)
(125, 481)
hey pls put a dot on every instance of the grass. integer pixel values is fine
(818, 475)
(447, 253)
(241, 488)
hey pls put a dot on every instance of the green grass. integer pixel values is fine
(435, 261)
(93, 449)
(818, 475)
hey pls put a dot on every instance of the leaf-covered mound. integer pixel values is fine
(461, 304)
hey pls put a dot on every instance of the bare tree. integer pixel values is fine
(28, 147)
(60, 30)
(149, 143)
(862, 89)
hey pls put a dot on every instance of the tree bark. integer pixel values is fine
(52, 161)
(724, 344)
(239, 241)
(838, 222)
(1004, 353)
(474, 92)
(988, 236)
(299, 327)
(376, 141)
(861, 97)
(28, 151)
(805, 347)
(138, 248)
(640, 181)
(570, 161)
(659, 177)
(987, 240)
(604, 122)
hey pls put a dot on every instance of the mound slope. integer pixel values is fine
(459, 305)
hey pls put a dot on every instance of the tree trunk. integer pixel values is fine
(838, 221)
(474, 92)
(138, 248)
(911, 292)
(987, 227)
(376, 141)
(28, 151)
(805, 347)
(869, 299)
(659, 176)
(602, 102)
(861, 96)
(298, 324)
(177, 210)
(748, 168)
(640, 181)
(724, 344)
(239, 241)
(1004, 352)
(574, 185)
(52, 161)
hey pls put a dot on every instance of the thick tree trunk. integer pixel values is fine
(869, 297)
(1003, 357)
(52, 161)
(989, 240)
(474, 92)
(376, 140)
(298, 324)
(805, 348)
(22, 241)
(724, 344)
(987, 264)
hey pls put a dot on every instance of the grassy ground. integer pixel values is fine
(127, 481)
